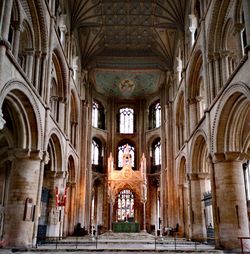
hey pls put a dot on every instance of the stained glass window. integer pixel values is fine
(125, 210)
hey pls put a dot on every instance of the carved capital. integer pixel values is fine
(228, 156)
(198, 176)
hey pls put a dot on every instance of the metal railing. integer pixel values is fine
(97, 242)
(244, 244)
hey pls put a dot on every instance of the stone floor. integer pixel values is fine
(121, 243)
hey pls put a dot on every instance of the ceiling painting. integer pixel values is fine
(127, 84)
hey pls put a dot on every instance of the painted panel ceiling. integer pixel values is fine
(127, 84)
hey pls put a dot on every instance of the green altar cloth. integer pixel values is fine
(127, 227)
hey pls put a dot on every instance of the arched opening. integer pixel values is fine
(52, 203)
(19, 166)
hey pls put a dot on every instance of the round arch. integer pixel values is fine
(199, 153)
(21, 102)
(230, 128)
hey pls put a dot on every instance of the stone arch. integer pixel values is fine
(41, 16)
(195, 69)
(60, 75)
(55, 152)
(196, 96)
(219, 11)
(35, 13)
(61, 72)
(182, 170)
(71, 169)
(20, 101)
(230, 128)
(199, 153)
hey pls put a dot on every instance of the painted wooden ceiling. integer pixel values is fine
(127, 34)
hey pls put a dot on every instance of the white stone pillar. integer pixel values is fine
(37, 69)
(61, 113)
(211, 77)
(29, 63)
(217, 81)
(42, 87)
(110, 215)
(6, 19)
(225, 70)
(192, 113)
(16, 40)
(232, 218)
(197, 181)
(24, 183)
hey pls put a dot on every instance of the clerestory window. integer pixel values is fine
(155, 115)
(126, 120)
(98, 116)
(97, 155)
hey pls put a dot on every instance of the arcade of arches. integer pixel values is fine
(115, 112)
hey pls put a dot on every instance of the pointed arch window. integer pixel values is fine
(126, 120)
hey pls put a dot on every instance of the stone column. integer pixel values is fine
(217, 81)
(61, 112)
(16, 39)
(6, 19)
(24, 181)
(111, 204)
(186, 214)
(192, 113)
(197, 181)
(29, 63)
(37, 69)
(232, 218)
(225, 71)
(211, 77)
(42, 88)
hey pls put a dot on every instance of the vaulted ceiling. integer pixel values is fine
(127, 34)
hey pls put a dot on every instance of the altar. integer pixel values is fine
(126, 227)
